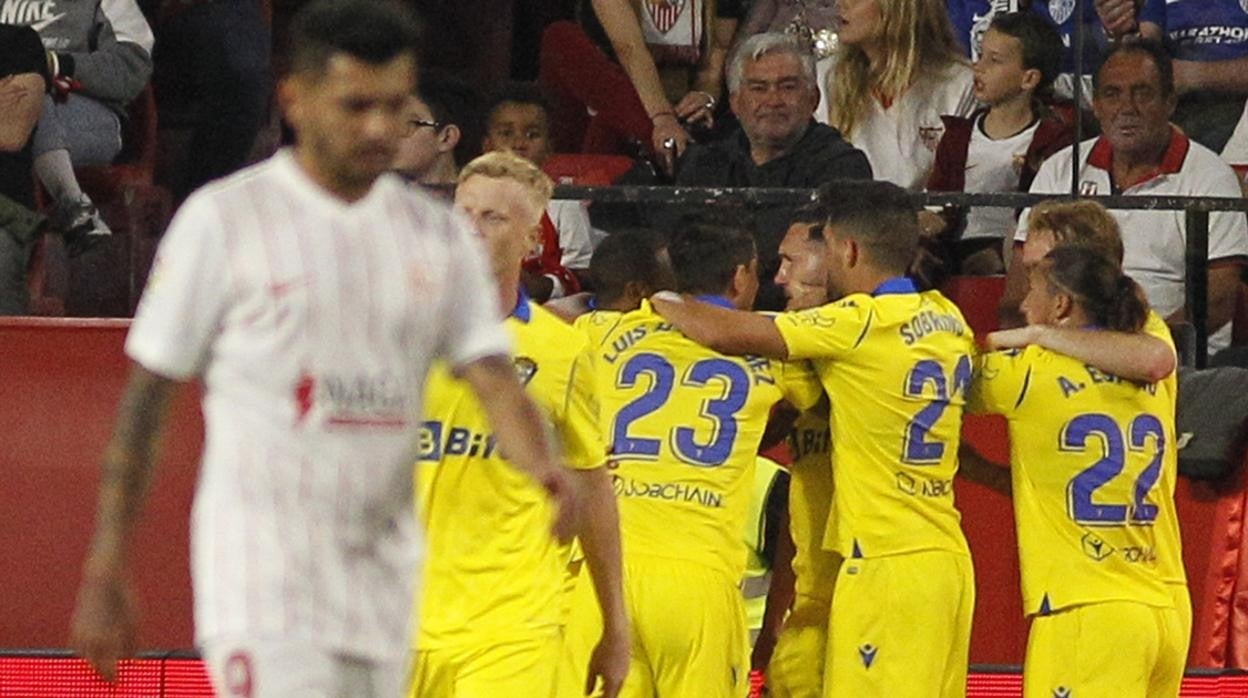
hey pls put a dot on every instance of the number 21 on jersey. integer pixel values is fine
(916, 448)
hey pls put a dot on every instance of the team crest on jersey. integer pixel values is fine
(664, 13)
(1243, 5)
(930, 135)
(1096, 548)
(1061, 10)
(1062, 691)
(868, 652)
(526, 368)
(1088, 188)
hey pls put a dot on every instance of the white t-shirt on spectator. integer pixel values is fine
(900, 140)
(994, 166)
(1155, 242)
(576, 235)
(312, 323)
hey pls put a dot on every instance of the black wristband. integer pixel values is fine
(66, 63)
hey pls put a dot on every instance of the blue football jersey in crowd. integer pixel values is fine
(1201, 30)
(971, 19)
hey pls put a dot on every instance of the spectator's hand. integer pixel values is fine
(669, 140)
(1017, 338)
(610, 663)
(695, 107)
(1117, 16)
(104, 626)
(931, 223)
(563, 495)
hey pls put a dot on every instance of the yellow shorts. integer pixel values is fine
(688, 624)
(796, 668)
(901, 626)
(1123, 649)
(522, 667)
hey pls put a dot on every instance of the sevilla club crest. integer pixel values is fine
(664, 13)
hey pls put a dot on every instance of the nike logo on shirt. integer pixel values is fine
(46, 22)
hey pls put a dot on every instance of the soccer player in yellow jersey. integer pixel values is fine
(1087, 450)
(492, 609)
(896, 363)
(1146, 356)
(684, 425)
(795, 667)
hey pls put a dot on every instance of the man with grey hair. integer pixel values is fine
(773, 93)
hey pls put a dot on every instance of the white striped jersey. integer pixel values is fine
(312, 323)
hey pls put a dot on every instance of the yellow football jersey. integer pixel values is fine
(1170, 565)
(683, 425)
(596, 324)
(896, 365)
(1087, 450)
(493, 569)
(810, 500)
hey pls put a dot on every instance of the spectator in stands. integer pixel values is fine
(645, 71)
(1001, 147)
(898, 70)
(99, 53)
(24, 78)
(1209, 42)
(442, 131)
(772, 91)
(1141, 153)
(213, 70)
(1102, 22)
(519, 120)
(813, 22)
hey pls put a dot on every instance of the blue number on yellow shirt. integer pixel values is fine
(721, 411)
(1141, 428)
(662, 378)
(1075, 436)
(916, 449)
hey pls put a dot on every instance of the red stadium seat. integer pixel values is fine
(586, 169)
(978, 297)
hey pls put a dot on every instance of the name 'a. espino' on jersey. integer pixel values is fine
(896, 365)
(683, 424)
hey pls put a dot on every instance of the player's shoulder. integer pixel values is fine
(557, 334)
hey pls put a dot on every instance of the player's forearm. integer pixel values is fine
(974, 467)
(600, 539)
(517, 423)
(1134, 356)
(734, 332)
(127, 469)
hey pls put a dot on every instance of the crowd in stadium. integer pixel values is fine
(586, 472)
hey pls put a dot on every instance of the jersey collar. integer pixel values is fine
(1102, 158)
(717, 299)
(895, 286)
(522, 312)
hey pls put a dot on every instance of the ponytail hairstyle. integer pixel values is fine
(1110, 298)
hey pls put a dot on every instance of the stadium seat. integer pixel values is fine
(107, 281)
(978, 297)
(46, 276)
(587, 170)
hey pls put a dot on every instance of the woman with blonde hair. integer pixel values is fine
(898, 70)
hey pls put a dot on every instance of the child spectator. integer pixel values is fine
(998, 148)
(519, 120)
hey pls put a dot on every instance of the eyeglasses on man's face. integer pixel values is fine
(413, 124)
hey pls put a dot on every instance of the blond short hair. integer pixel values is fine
(1081, 223)
(501, 164)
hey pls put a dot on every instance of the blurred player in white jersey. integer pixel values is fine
(310, 294)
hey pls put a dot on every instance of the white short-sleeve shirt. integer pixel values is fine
(1155, 242)
(993, 165)
(312, 323)
(900, 139)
